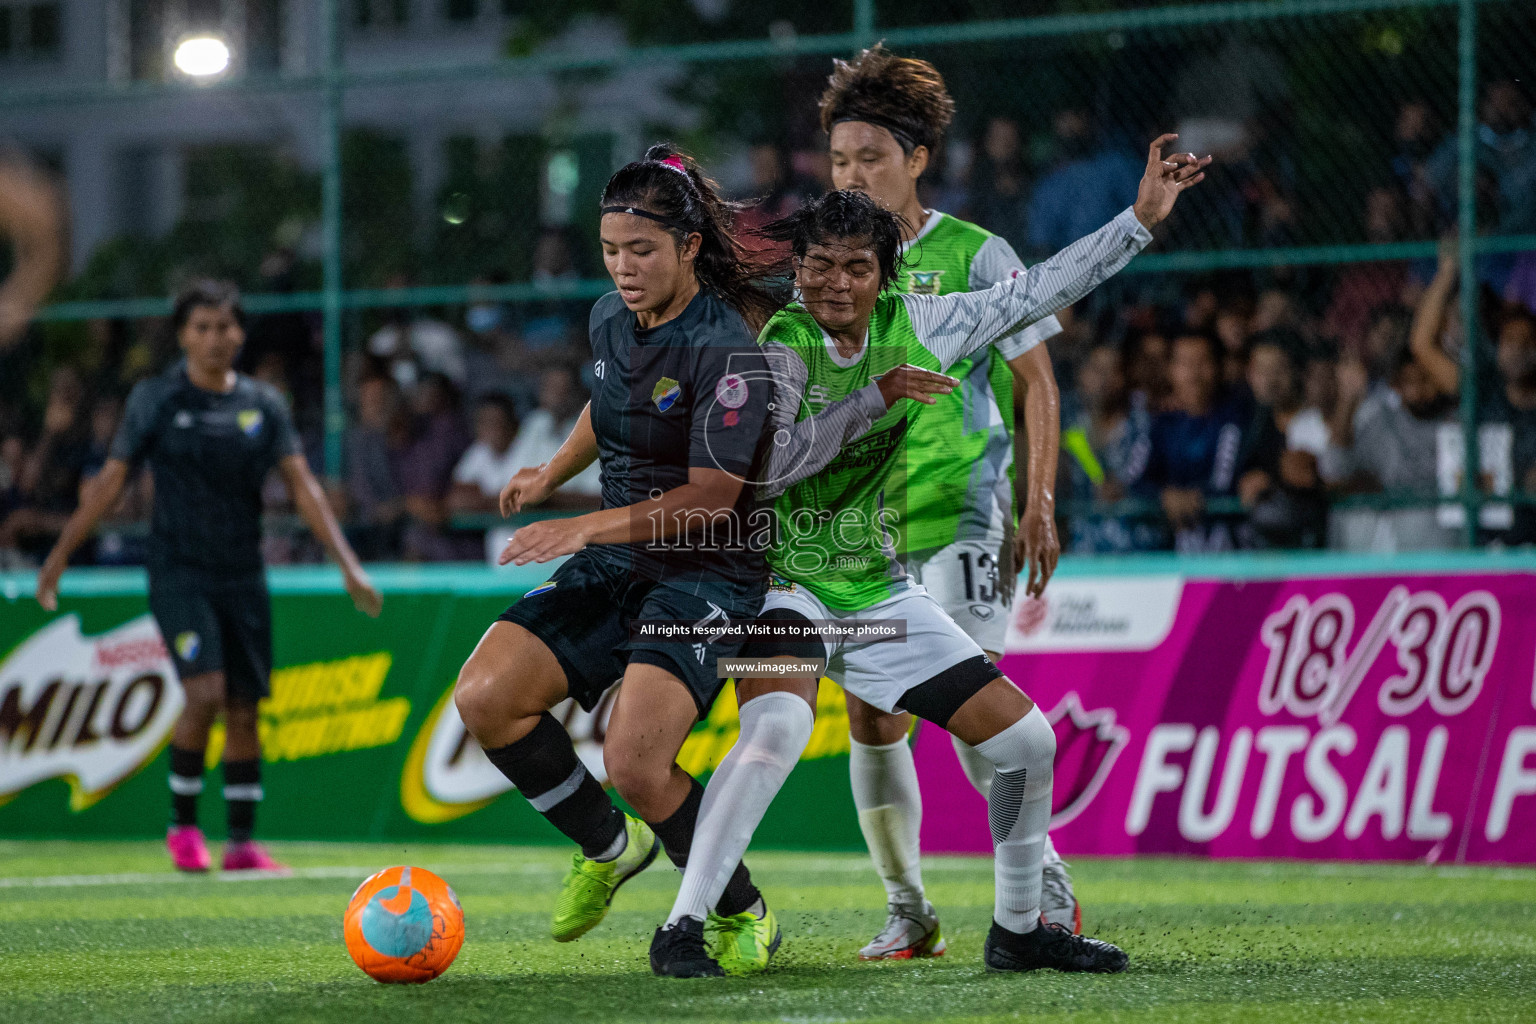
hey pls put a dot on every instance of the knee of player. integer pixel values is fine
(1029, 743)
(640, 780)
(241, 715)
(204, 694)
(482, 699)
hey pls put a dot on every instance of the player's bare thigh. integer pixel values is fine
(872, 727)
(510, 679)
(989, 711)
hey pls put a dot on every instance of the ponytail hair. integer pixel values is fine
(668, 187)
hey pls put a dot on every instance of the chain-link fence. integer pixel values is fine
(1370, 221)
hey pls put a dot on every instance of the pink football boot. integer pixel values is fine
(189, 851)
(251, 856)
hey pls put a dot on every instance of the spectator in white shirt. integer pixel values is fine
(486, 465)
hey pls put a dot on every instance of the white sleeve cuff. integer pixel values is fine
(1133, 227)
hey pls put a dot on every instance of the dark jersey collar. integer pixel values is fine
(185, 380)
(680, 324)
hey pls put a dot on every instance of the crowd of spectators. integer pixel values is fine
(1284, 407)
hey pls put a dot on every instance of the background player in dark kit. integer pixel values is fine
(210, 436)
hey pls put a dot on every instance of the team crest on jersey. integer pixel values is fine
(924, 282)
(249, 421)
(781, 585)
(666, 393)
(188, 643)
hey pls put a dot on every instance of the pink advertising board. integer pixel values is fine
(1369, 717)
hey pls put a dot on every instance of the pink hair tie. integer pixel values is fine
(676, 164)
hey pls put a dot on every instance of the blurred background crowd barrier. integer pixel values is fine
(1335, 325)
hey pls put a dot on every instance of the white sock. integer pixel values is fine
(890, 809)
(977, 768)
(774, 731)
(1019, 812)
(980, 772)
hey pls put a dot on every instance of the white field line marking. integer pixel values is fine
(360, 873)
(813, 865)
(328, 871)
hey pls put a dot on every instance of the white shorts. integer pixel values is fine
(880, 672)
(964, 579)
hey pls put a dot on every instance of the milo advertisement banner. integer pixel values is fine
(1341, 716)
(360, 737)
(1314, 707)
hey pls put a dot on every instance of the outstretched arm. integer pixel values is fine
(954, 326)
(32, 216)
(317, 515)
(1429, 323)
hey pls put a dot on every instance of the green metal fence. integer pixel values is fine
(1342, 66)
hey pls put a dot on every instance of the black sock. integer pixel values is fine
(676, 835)
(242, 792)
(544, 767)
(186, 785)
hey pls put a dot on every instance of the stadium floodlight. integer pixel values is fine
(202, 56)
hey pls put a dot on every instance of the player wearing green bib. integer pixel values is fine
(952, 495)
(835, 568)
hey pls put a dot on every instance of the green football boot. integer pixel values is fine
(588, 888)
(743, 943)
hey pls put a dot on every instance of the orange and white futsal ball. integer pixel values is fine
(404, 925)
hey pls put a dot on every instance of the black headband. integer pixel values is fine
(908, 144)
(635, 211)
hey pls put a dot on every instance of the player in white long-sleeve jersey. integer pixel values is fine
(952, 495)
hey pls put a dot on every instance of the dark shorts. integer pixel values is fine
(215, 623)
(584, 611)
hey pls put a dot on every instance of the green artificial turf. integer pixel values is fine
(1245, 942)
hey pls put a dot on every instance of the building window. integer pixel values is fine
(30, 31)
(381, 14)
(43, 34)
(263, 35)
